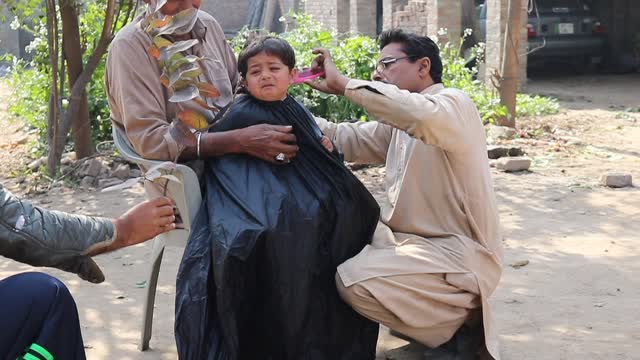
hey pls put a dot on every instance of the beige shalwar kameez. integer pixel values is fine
(140, 104)
(437, 252)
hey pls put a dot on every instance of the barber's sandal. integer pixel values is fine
(466, 344)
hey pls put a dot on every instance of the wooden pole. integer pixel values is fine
(510, 69)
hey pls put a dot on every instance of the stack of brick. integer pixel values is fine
(427, 17)
(332, 13)
(413, 17)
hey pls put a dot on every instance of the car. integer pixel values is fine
(565, 31)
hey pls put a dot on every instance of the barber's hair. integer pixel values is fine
(416, 47)
(270, 45)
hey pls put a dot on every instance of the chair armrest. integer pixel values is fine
(188, 202)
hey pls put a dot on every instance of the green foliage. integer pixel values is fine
(31, 92)
(457, 75)
(31, 80)
(355, 56)
(22, 8)
(180, 73)
(536, 105)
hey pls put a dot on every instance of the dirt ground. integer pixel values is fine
(574, 299)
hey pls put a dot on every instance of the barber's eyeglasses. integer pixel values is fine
(384, 63)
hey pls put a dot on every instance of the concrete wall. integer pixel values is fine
(232, 15)
(363, 17)
(12, 41)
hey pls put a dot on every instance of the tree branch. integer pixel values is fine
(54, 100)
(80, 84)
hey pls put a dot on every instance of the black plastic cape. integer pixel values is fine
(257, 279)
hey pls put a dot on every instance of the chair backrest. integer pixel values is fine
(186, 195)
(124, 147)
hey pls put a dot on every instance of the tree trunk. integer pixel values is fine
(78, 87)
(510, 63)
(81, 123)
(54, 97)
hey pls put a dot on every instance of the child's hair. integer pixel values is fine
(270, 45)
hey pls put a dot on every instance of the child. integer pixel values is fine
(267, 67)
(270, 237)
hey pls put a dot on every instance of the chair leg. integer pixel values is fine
(147, 311)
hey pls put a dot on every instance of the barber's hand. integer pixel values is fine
(268, 142)
(333, 82)
(141, 223)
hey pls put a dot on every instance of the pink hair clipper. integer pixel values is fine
(306, 74)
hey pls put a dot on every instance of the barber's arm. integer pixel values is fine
(431, 119)
(361, 142)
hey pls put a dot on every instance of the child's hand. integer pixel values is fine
(326, 143)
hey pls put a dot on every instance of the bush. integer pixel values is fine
(356, 57)
(457, 74)
(536, 105)
(31, 80)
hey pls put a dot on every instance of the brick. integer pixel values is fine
(616, 180)
(513, 164)
(122, 172)
(104, 183)
(496, 151)
(495, 132)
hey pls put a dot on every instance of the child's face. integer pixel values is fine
(268, 78)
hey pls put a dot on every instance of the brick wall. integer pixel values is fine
(413, 17)
(329, 12)
(389, 7)
(444, 14)
(426, 17)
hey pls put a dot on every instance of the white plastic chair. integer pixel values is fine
(188, 198)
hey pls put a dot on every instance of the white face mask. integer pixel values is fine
(188, 23)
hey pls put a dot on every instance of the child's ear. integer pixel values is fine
(293, 74)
